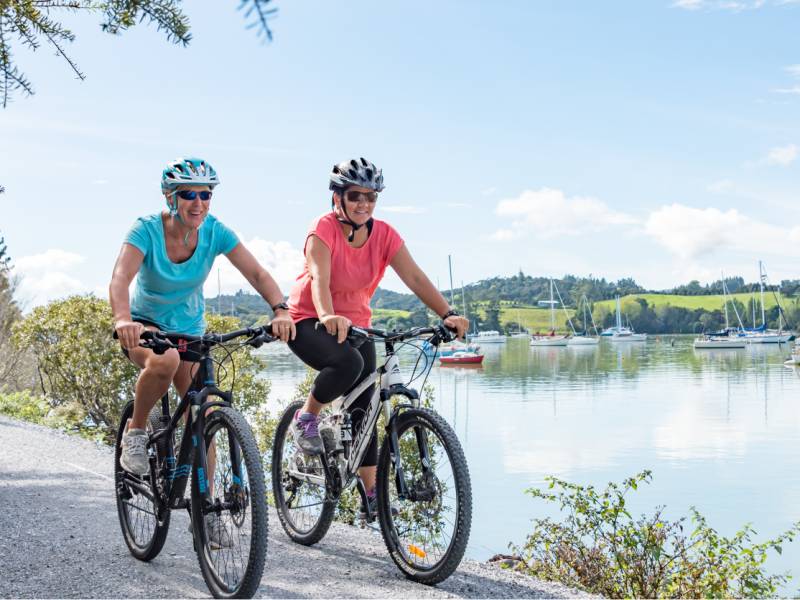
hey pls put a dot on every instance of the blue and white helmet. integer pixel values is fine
(188, 171)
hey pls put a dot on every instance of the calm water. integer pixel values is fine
(720, 429)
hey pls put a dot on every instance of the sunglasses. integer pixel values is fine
(191, 195)
(356, 197)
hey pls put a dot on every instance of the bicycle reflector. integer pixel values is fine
(418, 552)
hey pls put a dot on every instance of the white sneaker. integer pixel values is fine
(134, 452)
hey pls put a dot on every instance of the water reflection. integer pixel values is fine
(717, 427)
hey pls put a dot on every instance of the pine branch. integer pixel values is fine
(12, 78)
(165, 14)
(262, 14)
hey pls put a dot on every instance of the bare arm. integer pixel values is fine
(264, 284)
(318, 259)
(127, 266)
(423, 288)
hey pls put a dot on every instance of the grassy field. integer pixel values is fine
(693, 302)
(386, 313)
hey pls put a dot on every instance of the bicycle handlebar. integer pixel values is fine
(159, 342)
(440, 333)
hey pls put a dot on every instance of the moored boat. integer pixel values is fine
(712, 342)
(462, 358)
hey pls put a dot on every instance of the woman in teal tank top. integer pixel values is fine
(172, 253)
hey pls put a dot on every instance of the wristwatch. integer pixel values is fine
(280, 305)
(450, 313)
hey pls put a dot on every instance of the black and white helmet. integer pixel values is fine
(358, 171)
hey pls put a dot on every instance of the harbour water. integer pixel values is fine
(720, 430)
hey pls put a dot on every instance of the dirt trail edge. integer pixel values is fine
(60, 537)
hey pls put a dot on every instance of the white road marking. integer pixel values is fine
(74, 466)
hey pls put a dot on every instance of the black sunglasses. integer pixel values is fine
(191, 195)
(356, 197)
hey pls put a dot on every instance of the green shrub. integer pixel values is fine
(601, 548)
(80, 363)
(24, 406)
(84, 373)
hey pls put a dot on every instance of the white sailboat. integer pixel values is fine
(584, 339)
(520, 333)
(625, 334)
(552, 339)
(762, 335)
(723, 340)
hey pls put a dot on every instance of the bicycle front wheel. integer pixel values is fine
(426, 531)
(298, 483)
(229, 507)
(144, 532)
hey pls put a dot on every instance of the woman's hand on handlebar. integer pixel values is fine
(128, 333)
(336, 325)
(458, 323)
(283, 327)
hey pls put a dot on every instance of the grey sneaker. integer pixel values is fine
(133, 457)
(219, 535)
(305, 429)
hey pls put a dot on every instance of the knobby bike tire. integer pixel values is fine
(215, 562)
(143, 533)
(451, 558)
(317, 527)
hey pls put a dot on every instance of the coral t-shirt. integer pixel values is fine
(355, 272)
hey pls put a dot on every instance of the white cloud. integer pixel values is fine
(489, 191)
(781, 155)
(690, 233)
(41, 287)
(406, 210)
(794, 90)
(283, 261)
(722, 186)
(548, 212)
(731, 5)
(53, 258)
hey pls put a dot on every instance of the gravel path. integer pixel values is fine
(60, 537)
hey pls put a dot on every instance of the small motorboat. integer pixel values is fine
(462, 358)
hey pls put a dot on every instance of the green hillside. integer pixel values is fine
(709, 303)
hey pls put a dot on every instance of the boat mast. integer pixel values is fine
(552, 308)
(619, 316)
(761, 288)
(564, 308)
(725, 301)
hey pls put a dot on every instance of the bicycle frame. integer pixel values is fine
(390, 385)
(191, 452)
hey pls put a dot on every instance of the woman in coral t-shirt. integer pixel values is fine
(347, 252)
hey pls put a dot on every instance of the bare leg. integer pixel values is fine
(153, 382)
(368, 476)
(312, 405)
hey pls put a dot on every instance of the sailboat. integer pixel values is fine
(520, 333)
(552, 339)
(624, 334)
(762, 335)
(722, 339)
(583, 338)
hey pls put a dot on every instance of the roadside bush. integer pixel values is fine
(79, 363)
(84, 373)
(601, 548)
(24, 406)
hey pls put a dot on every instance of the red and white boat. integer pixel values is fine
(462, 358)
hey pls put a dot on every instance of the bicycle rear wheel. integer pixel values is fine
(231, 529)
(298, 484)
(143, 531)
(428, 532)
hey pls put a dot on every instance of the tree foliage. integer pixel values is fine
(35, 23)
(82, 369)
(599, 547)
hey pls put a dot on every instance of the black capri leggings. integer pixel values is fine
(341, 368)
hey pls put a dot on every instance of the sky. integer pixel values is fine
(653, 139)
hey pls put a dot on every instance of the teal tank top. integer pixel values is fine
(169, 294)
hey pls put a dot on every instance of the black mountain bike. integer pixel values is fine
(218, 451)
(424, 491)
